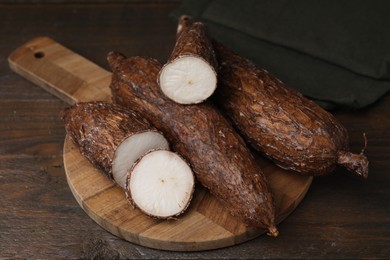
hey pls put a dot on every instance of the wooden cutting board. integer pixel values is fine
(205, 225)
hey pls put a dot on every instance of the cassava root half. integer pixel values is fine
(189, 76)
(218, 156)
(160, 184)
(111, 137)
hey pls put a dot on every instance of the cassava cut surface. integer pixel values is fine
(217, 154)
(293, 131)
(160, 184)
(111, 137)
(189, 76)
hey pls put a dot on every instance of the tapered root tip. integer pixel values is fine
(184, 22)
(356, 163)
(114, 59)
(273, 231)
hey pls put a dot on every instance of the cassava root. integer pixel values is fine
(218, 156)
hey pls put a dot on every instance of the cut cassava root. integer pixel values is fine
(129, 150)
(217, 154)
(160, 184)
(111, 137)
(189, 76)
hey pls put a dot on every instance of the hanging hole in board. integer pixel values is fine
(39, 55)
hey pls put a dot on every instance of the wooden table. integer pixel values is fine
(340, 217)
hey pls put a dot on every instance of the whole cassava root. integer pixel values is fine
(111, 137)
(189, 76)
(217, 154)
(276, 120)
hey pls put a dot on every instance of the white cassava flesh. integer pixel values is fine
(131, 149)
(188, 80)
(160, 184)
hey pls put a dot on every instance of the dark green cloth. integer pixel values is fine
(335, 52)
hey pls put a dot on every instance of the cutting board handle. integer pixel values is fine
(60, 71)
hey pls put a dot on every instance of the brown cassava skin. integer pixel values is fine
(195, 41)
(293, 131)
(98, 128)
(217, 154)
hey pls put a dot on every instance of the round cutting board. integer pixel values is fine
(205, 225)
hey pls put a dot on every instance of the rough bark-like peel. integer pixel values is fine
(217, 154)
(293, 131)
(99, 128)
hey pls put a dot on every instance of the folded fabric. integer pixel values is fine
(333, 52)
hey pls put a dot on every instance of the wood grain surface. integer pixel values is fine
(340, 217)
(206, 224)
(60, 71)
